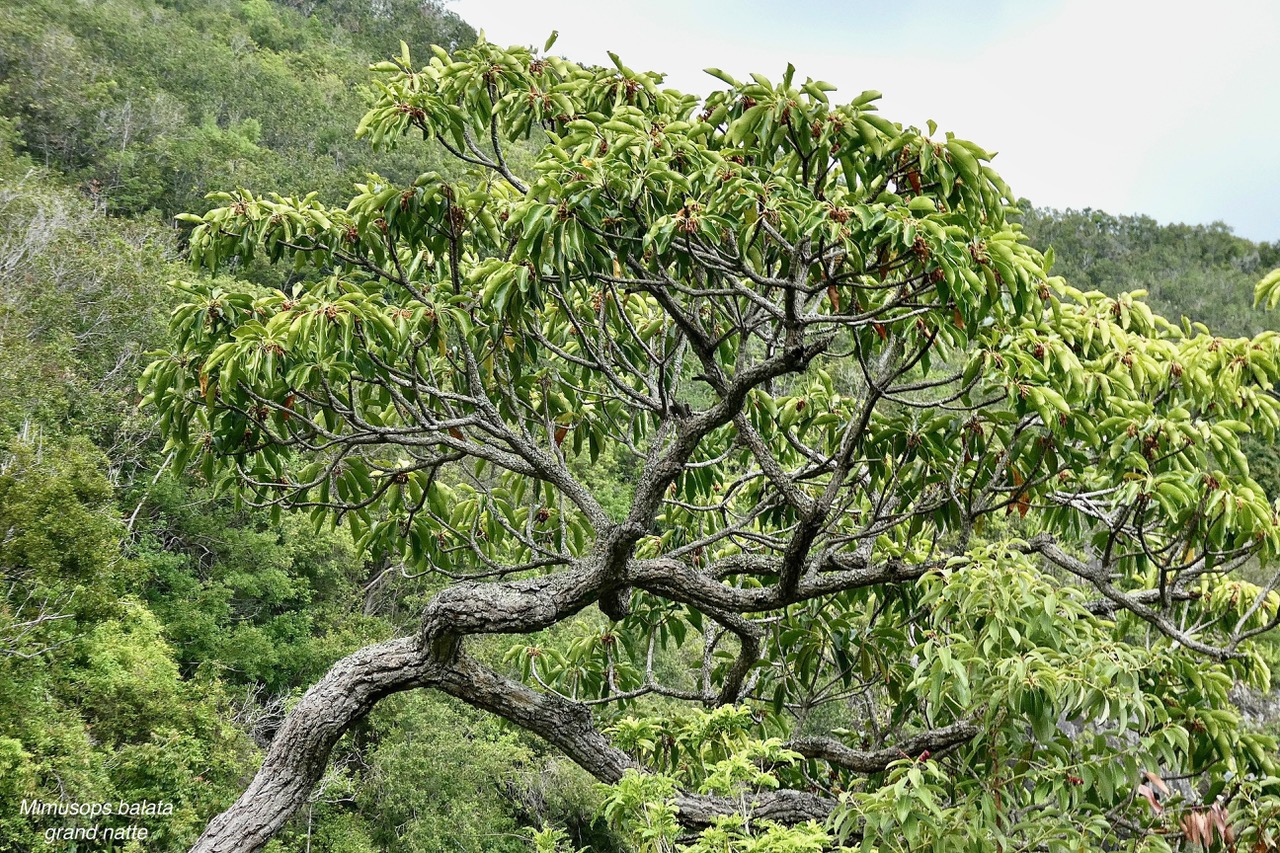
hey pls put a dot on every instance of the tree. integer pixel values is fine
(939, 547)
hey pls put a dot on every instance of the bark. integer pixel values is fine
(873, 761)
(784, 806)
(563, 723)
(300, 751)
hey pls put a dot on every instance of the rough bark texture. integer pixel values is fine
(873, 761)
(783, 806)
(300, 751)
(565, 724)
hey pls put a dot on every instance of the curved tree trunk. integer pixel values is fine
(299, 753)
(300, 750)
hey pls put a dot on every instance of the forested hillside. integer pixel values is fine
(148, 105)
(1201, 272)
(153, 632)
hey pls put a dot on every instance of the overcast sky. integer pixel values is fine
(1171, 109)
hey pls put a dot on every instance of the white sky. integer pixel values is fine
(1171, 109)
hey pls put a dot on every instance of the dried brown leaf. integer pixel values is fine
(1145, 791)
(1157, 782)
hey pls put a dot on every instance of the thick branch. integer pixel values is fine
(783, 806)
(874, 761)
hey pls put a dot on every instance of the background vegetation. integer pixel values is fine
(151, 633)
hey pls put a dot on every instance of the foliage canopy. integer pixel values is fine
(943, 545)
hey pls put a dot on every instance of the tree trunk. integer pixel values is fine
(300, 751)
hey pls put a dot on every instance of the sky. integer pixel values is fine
(1169, 109)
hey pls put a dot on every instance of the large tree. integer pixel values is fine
(942, 549)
